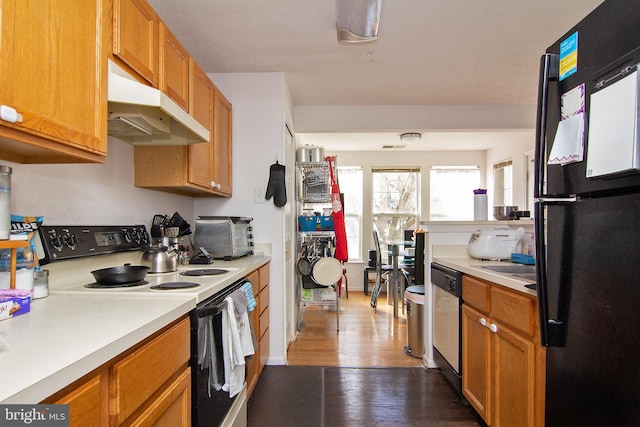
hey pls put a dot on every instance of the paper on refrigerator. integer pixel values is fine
(568, 142)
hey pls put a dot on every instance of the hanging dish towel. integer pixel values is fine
(232, 351)
(209, 357)
(242, 320)
(251, 300)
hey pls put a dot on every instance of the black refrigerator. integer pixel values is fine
(587, 219)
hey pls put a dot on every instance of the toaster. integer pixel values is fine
(224, 237)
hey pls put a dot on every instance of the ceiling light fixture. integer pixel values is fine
(410, 136)
(357, 20)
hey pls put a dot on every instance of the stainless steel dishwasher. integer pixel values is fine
(447, 302)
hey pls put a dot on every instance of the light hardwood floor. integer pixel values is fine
(365, 339)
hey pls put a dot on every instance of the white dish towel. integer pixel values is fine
(232, 351)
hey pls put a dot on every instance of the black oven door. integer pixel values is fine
(210, 404)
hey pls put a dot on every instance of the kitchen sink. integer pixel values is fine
(523, 272)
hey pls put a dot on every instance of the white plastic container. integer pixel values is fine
(480, 207)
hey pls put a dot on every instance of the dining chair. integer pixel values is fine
(381, 270)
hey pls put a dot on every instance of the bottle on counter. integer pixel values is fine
(480, 207)
(5, 202)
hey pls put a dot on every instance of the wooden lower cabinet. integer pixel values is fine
(88, 401)
(502, 360)
(260, 321)
(148, 385)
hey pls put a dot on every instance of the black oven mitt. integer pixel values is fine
(276, 187)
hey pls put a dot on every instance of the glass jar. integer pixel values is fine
(40, 284)
(5, 202)
(24, 268)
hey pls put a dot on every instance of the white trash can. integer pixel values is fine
(414, 297)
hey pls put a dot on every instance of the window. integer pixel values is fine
(350, 180)
(451, 192)
(503, 183)
(395, 201)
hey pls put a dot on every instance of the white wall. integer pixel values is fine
(91, 194)
(261, 107)
(516, 152)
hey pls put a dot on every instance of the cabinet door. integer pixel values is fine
(476, 361)
(222, 144)
(137, 377)
(88, 402)
(174, 68)
(53, 72)
(201, 155)
(514, 379)
(172, 408)
(135, 37)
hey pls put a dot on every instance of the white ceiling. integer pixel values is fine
(428, 52)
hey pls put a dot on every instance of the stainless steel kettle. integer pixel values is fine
(160, 259)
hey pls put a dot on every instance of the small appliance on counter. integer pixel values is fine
(495, 243)
(225, 237)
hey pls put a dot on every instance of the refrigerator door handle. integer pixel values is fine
(549, 71)
(552, 332)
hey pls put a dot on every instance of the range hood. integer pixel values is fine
(143, 115)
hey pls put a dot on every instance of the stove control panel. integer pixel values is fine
(67, 242)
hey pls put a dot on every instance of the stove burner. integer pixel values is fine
(122, 285)
(175, 285)
(205, 272)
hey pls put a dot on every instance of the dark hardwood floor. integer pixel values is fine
(358, 376)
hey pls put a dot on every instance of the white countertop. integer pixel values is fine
(67, 335)
(472, 267)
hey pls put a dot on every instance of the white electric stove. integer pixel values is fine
(72, 252)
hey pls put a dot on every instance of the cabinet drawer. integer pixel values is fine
(264, 275)
(264, 299)
(135, 378)
(264, 322)
(254, 278)
(517, 311)
(475, 292)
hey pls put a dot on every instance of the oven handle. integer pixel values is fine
(211, 310)
(214, 305)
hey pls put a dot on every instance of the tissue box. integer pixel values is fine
(14, 302)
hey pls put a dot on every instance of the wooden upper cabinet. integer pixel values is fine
(197, 170)
(174, 68)
(53, 73)
(135, 38)
(222, 144)
(201, 155)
